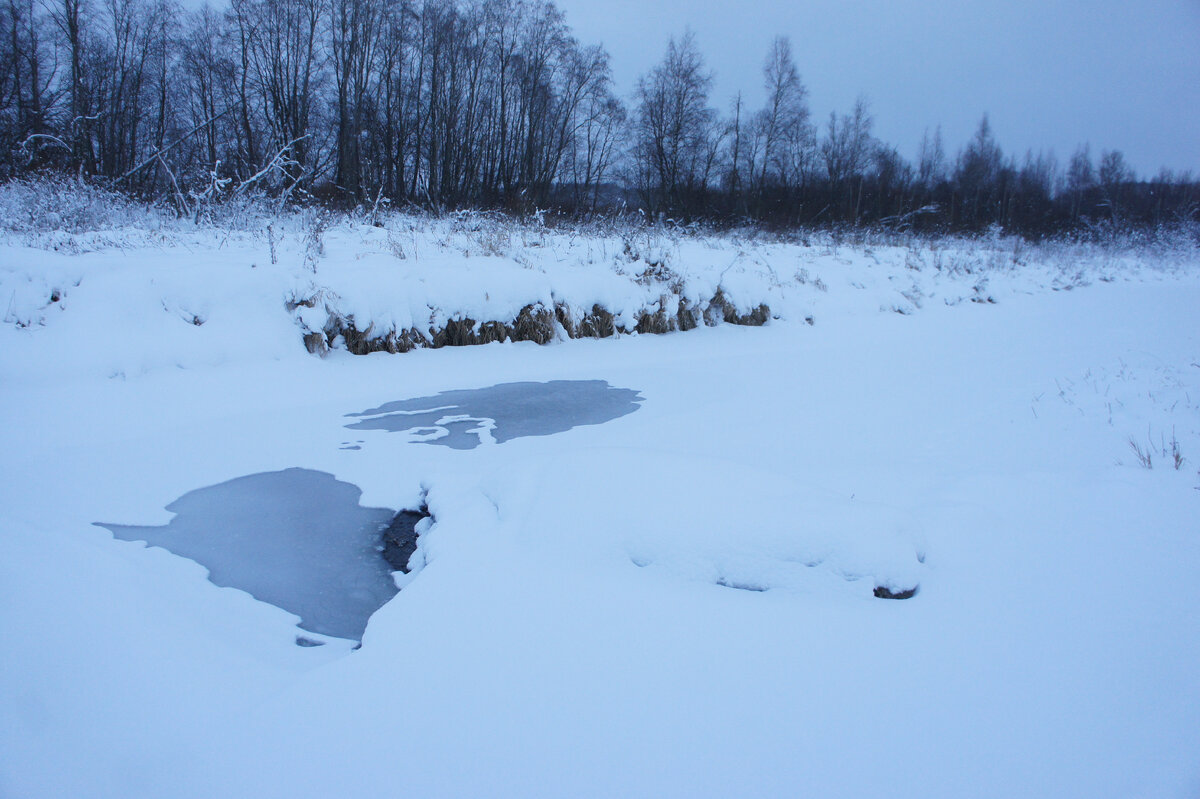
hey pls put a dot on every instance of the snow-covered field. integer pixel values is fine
(678, 601)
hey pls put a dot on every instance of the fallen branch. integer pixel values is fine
(277, 162)
(52, 139)
(158, 154)
(183, 206)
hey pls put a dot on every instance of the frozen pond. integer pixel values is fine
(297, 539)
(464, 419)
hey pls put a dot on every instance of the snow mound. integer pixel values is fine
(725, 523)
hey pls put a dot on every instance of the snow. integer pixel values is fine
(676, 601)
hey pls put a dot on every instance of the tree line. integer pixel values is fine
(492, 103)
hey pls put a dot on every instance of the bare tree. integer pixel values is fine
(355, 29)
(31, 79)
(134, 27)
(392, 112)
(784, 120)
(931, 160)
(596, 124)
(845, 151)
(1035, 190)
(68, 16)
(208, 76)
(1113, 175)
(1081, 178)
(280, 57)
(977, 175)
(675, 128)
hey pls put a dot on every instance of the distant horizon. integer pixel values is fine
(917, 72)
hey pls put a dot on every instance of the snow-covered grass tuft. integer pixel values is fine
(56, 212)
(57, 204)
(1145, 457)
(1170, 451)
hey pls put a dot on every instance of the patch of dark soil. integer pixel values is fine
(400, 538)
(884, 592)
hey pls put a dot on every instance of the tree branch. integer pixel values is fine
(159, 153)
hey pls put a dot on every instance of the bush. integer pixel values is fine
(46, 204)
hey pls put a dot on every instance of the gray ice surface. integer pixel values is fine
(297, 539)
(462, 419)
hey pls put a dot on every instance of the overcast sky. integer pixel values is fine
(1120, 74)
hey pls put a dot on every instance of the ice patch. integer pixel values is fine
(464, 419)
(296, 538)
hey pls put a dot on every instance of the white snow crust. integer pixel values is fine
(676, 602)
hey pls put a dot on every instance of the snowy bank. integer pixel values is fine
(396, 282)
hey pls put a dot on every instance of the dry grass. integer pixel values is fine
(534, 322)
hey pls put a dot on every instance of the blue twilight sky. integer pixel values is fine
(1120, 74)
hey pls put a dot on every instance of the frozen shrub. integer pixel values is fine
(56, 203)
